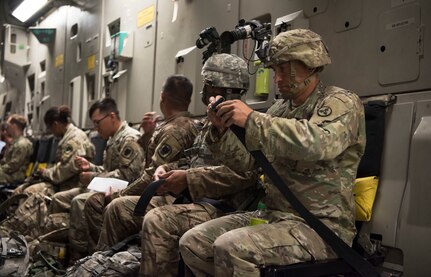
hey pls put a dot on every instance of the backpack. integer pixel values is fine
(14, 257)
(57, 221)
(110, 262)
(9, 205)
(49, 254)
(30, 218)
(55, 243)
(45, 265)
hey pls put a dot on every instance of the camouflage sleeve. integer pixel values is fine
(96, 168)
(331, 129)
(20, 155)
(171, 166)
(3, 176)
(169, 148)
(65, 168)
(229, 149)
(144, 140)
(137, 186)
(130, 161)
(217, 181)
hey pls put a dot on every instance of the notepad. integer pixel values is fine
(102, 184)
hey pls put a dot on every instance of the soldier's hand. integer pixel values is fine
(81, 163)
(159, 171)
(233, 112)
(148, 123)
(110, 192)
(175, 182)
(86, 177)
(212, 116)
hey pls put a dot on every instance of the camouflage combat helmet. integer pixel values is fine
(299, 44)
(226, 71)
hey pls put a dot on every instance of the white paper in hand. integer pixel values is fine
(103, 184)
(2, 144)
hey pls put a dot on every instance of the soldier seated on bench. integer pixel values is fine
(4, 137)
(314, 137)
(63, 174)
(18, 151)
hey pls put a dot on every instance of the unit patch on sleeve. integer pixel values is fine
(165, 150)
(67, 152)
(324, 111)
(68, 149)
(127, 152)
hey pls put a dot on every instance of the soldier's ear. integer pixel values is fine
(162, 96)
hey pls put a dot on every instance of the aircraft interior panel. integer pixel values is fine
(126, 49)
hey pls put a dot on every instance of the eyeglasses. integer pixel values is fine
(96, 123)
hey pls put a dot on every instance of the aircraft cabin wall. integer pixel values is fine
(49, 81)
(49, 61)
(382, 49)
(81, 61)
(177, 29)
(45, 77)
(133, 89)
(13, 73)
(355, 44)
(401, 211)
(377, 48)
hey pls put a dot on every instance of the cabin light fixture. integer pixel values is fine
(28, 8)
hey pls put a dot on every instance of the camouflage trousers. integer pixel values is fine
(44, 187)
(78, 231)
(93, 214)
(61, 201)
(161, 232)
(29, 219)
(118, 221)
(228, 246)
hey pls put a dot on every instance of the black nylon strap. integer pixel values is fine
(50, 262)
(225, 208)
(13, 200)
(122, 244)
(356, 261)
(15, 235)
(146, 196)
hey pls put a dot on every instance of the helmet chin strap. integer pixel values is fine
(295, 87)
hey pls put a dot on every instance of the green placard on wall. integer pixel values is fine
(43, 35)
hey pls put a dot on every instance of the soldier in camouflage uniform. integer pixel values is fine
(64, 174)
(213, 187)
(165, 143)
(122, 159)
(123, 155)
(5, 137)
(314, 137)
(18, 153)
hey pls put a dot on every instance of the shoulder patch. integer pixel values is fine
(67, 152)
(324, 111)
(127, 152)
(68, 149)
(165, 150)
